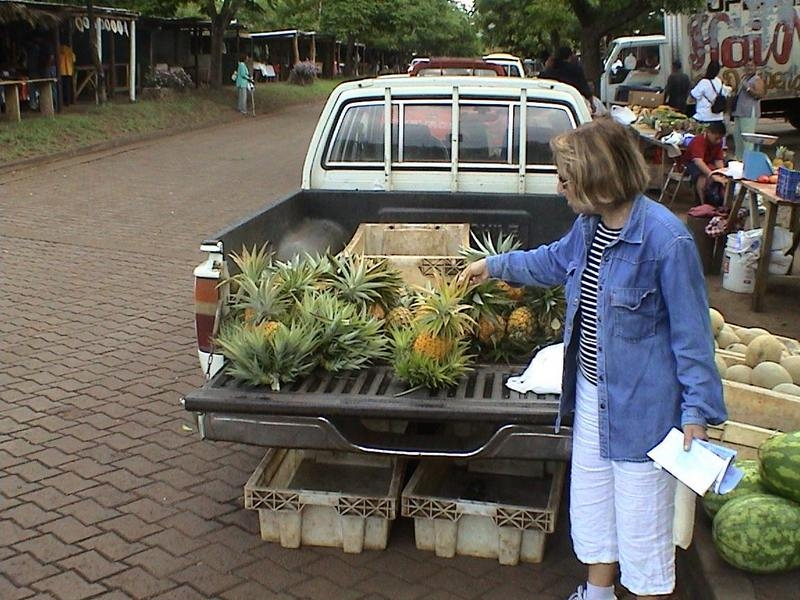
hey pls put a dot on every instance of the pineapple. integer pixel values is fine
(491, 330)
(441, 317)
(349, 338)
(300, 276)
(373, 285)
(549, 306)
(521, 326)
(260, 300)
(487, 247)
(256, 359)
(419, 370)
(253, 265)
(490, 305)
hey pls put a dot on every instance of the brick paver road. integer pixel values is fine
(103, 493)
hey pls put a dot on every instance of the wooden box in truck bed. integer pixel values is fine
(479, 418)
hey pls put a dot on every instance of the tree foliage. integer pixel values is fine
(587, 22)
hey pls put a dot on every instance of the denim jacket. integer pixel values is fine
(655, 351)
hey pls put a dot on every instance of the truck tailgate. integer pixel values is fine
(371, 411)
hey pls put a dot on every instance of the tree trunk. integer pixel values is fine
(313, 57)
(100, 76)
(348, 59)
(217, 39)
(591, 60)
(295, 50)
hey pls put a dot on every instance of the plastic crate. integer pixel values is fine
(788, 185)
(418, 250)
(500, 509)
(334, 499)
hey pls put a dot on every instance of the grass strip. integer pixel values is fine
(89, 124)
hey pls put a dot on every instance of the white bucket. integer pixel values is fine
(738, 272)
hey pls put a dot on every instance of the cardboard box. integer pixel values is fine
(646, 99)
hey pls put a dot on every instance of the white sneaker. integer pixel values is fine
(580, 594)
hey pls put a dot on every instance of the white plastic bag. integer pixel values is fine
(622, 114)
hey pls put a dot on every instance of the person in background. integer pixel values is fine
(50, 71)
(630, 61)
(66, 70)
(748, 107)
(676, 92)
(566, 70)
(243, 80)
(704, 155)
(706, 91)
(634, 286)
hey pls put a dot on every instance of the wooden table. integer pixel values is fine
(46, 106)
(771, 202)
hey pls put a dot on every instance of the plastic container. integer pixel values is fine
(788, 185)
(739, 271)
(317, 498)
(417, 250)
(500, 509)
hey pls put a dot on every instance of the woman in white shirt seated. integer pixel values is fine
(706, 91)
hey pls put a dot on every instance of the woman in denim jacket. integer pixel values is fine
(639, 355)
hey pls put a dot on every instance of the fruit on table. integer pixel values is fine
(740, 373)
(759, 533)
(763, 179)
(792, 364)
(779, 458)
(750, 484)
(769, 374)
(763, 348)
(787, 388)
(773, 179)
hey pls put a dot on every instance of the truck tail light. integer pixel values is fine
(206, 302)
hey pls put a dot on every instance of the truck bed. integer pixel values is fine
(371, 411)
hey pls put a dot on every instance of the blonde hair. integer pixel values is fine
(601, 162)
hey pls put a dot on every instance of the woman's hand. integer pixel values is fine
(692, 432)
(475, 273)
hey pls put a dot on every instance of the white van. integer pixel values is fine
(509, 62)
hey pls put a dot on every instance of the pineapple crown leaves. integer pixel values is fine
(299, 276)
(366, 281)
(486, 246)
(348, 337)
(488, 299)
(252, 264)
(257, 359)
(441, 311)
(261, 300)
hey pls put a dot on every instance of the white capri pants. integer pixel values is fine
(619, 511)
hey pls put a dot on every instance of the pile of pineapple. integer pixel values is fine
(344, 312)
(783, 158)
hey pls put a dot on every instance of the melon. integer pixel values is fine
(726, 337)
(779, 457)
(792, 364)
(763, 348)
(769, 374)
(748, 335)
(738, 348)
(740, 373)
(787, 388)
(722, 366)
(717, 321)
(759, 533)
(750, 484)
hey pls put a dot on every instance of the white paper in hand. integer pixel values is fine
(543, 375)
(699, 468)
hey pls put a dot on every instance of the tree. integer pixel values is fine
(595, 21)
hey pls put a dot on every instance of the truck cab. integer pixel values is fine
(635, 63)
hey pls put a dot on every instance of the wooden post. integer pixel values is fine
(197, 40)
(132, 70)
(112, 62)
(46, 99)
(12, 103)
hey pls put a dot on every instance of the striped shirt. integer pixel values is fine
(587, 348)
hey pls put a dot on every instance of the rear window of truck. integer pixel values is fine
(421, 133)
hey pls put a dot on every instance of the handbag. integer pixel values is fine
(233, 76)
(719, 104)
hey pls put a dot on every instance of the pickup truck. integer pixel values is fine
(400, 149)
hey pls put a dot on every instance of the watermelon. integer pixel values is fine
(779, 456)
(750, 484)
(759, 533)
